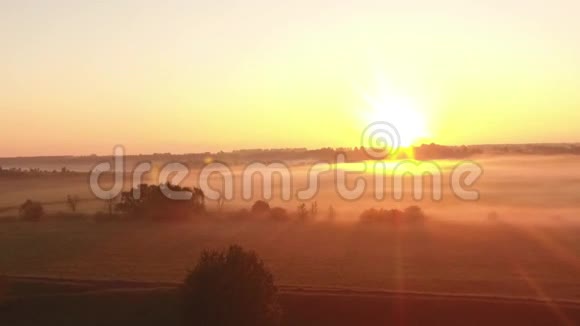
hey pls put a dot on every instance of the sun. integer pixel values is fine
(401, 111)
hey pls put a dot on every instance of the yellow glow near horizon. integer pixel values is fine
(402, 112)
(79, 77)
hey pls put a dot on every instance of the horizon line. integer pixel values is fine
(275, 149)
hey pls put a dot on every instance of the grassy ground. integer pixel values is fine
(530, 251)
(492, 258)
(49, 302)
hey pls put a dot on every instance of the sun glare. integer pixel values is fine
(402, 112)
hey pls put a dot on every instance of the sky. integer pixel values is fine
(78, 77)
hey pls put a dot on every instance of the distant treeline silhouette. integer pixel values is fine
(290, 155)
(34, 172)
(155, 202)
(154, 205)
(411, 215)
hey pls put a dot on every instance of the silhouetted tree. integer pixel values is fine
(31, 210)
(374, 215)
(314, 209)
(220, 203)
(72, 201)
(279, 214)
(260, 207)
(198, 199)
(151, 201)
(231, 288)
(110, 205)
(414, 214)
(331, 213)
(411, 215)
(302, 212)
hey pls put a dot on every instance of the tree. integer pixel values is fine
(230, 288)
(278, 214)
(414, 214)
(302, 212)
(314, 209)
(411, 215)
(392, 216)
(220, 203)
(198, 199)
(150, 201)
(110, 205)
(331, 213)
(72, 201)
(260, 207)
(31, 210)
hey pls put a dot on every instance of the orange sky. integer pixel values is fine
(78, 78)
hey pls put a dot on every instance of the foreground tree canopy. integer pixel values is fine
(230, 288)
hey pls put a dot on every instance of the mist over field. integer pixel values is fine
(532, 188)
(289, 163)
(520, 236)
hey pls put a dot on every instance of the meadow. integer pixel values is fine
(519, 240)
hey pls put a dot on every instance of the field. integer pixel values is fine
(492, 258)
(128, 303)
(518, 244)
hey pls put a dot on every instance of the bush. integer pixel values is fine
(411, 215)
(279, 214)
(31, 210)
(150, 201)
(231, 288)
(414, 214)
(72, 202)
(302, 212)
(260, 207)
(381, 215)
(331, 215)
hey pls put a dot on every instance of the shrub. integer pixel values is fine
(314, 209)
(411, 215)
(414, 214)
(231, 288)
(331, 215)
(260, 207)
(381, 216)
(302, 212)
(31, 210)
(279, 214)
(72, 202)
(150, 201)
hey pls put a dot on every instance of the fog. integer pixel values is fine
(539, 189)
